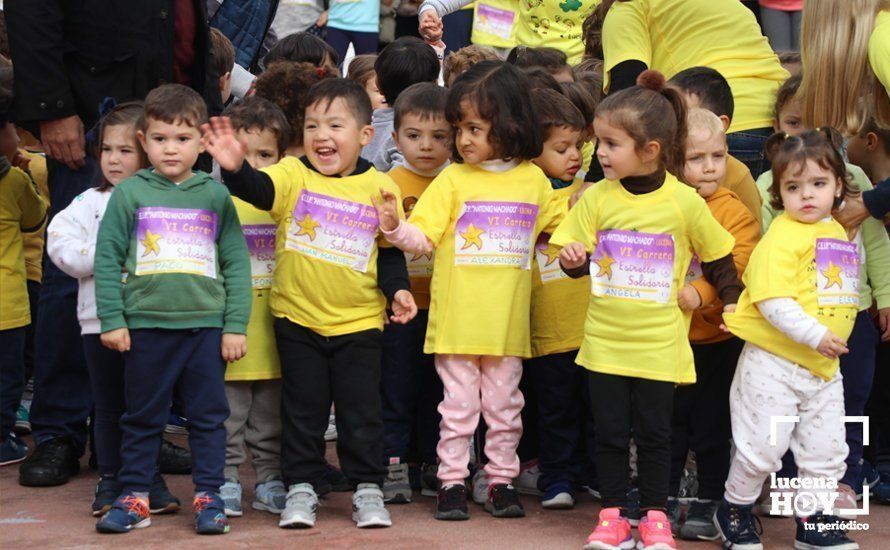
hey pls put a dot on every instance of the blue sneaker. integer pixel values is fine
(559, 496)
(160, 499)
(882, 490)
(128, 512)
(739, 528)
(270, 496)
(210, 514)
(12, 450)
(23, 419)
(107, 491)
(230, 492)
(177, 425)
(633, 506)
(812, 536)
(870, 476)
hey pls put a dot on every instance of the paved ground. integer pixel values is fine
(58, 517)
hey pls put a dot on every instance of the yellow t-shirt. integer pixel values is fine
(672, 35)
(420, 266)
(641, 247)
(814, 264)
(34, 241)
(326, 248)
(559, 303)
(879, 49)
(494, 23)
(483, 226)
(554, 24)
(261, 361)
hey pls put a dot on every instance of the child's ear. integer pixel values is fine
(395, 138)
(726, 122)
(775, 125)
(365, 135)
(650, 151)
(140, 135)
(224, 81)
(872, 141)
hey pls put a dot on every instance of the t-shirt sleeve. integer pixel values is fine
(433, 212)
(579, 225)
(708, 237)
(287, 179)
(626, 36)
(879, 56)
(772, 269)
(553, 211)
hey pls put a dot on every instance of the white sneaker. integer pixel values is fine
(331, 433)
(480, 486)
(368, 509)
(302, 502)
(526, 482)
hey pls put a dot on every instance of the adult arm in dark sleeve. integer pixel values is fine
(877, 200)
(723, 275)
(251, 185)
(392, 271)
(624, 75)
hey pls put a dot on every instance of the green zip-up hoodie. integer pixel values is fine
(184, 254)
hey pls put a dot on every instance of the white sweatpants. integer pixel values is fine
(766, 386)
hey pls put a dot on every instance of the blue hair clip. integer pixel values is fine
(105, 107)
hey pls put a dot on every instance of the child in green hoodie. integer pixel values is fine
(183, 310)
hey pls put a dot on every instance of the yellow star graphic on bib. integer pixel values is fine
(833, 274)
(471, 237)
(150, 242)
(428, 255)
(307, 227)
(605, 265)
(551, 253)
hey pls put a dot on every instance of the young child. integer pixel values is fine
(72, 247)
(253, 384)
(798, 308)
(223, 61)
(409, 385)
(481, 216)
(361, 69)
(353, 21)
(635, 233)
(701, 411)
(550, 59)
(183, 311)
(558, 307)
(328, 310)
(303, 47)
(457, 63)
(406, 61)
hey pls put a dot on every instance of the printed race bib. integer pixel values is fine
(494, 21)
(333, 230)
(261, 245)
(694, 272)
(547, 257)
(633, 265)
(419, 265)
(495, 234)
(837, 273)
(175, 240)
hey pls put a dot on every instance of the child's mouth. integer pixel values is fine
(325, 153)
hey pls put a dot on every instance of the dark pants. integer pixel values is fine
(315, 371)
(33, 298)
(457, 28)
(749, 147)
(62, 396)
(410, 390)
(879, 413)
(564, 420)
(362, 42)
(858, 370)
(12, 376)
(106, 368)
(160, 363)
(622, 405)
(701, 418)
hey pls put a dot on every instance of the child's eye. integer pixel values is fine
(562, 151)
(106, 149)
(266, 155)
(719, 155)
(441, 137)
(791, 188)
(413, 136)
(694, 158)
(184, 139)
(819, 183)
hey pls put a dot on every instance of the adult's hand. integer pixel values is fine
(63, 140)
(852, 212)
(430, 27)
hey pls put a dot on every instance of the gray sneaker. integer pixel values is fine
(480, 486)
(299, 511)
(230, 493)
(270, 496)
(397, 486)
(367, 507)
(700, 521)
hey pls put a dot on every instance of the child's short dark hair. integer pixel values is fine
(786, 93)
(539, 77)
(500, 94)
(406, 61)
(549, 58)
(223, 52)
(287, 84)
(461, 60)
(870, 126)
(361, 68)
(709, 86)
(579, 94)
(350, 91)
(302, 47)
(555, 110)
(174, 104)
(425, 99)
(124, 114)
(258, 113)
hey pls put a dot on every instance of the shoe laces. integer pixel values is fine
(369, 497)
(743, 523)
(136, 505)
(835, 534)
(201, 502)
(301, 496)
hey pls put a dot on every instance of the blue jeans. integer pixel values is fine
(748, 146)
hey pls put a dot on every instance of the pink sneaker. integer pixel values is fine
(611, 533)
(655, 532)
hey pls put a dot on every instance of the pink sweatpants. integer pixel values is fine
(475, 384)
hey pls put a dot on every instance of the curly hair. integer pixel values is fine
(286, 84)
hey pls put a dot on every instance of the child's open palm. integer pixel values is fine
(220, 142)
(387, 210)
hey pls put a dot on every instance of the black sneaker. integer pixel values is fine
(674, 514)
(52, 463)
(429, 481)
(451, 503)
(503, 502)
(739, 528)
(700, 521)
(339, 482)
(632, 511)
(107, 491)
(160, 499)
(811, 534)
(174, 459)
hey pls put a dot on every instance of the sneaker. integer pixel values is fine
(368, 509)
(739, 528)
(176, 425)
(128, 512)
(816, 537)
(612, 531)
(593, 491)
(527, 480)
(331, 433)
(107, 491)
(870, 476)
(503, 501)
(655, 532)
(633, 506)
(52, 463)
(210, 514)
(270, 496)
(480, 486)
(174, 459)
(700, 521)
(231, 496)
(12, 450)
(336, 479)
(299, 510)
(160, 499)
(397, 486)
(429, 481)
(451, 503)
(558, 496)
(882, 489)
(688, 486)
(846, 500)
(674, 513)
(22, 420)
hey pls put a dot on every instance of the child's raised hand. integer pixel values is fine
(403, 307)
(233, 347)
(220, 142)
(573, 255)
(117, 339)
(430, 26)
(832, 346)
(387, 210)
(688, 299)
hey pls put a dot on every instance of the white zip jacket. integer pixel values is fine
(71, 245)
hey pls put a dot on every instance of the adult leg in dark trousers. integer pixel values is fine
(858, 370)
(457, 28)
(62, 396)
(12, 376)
